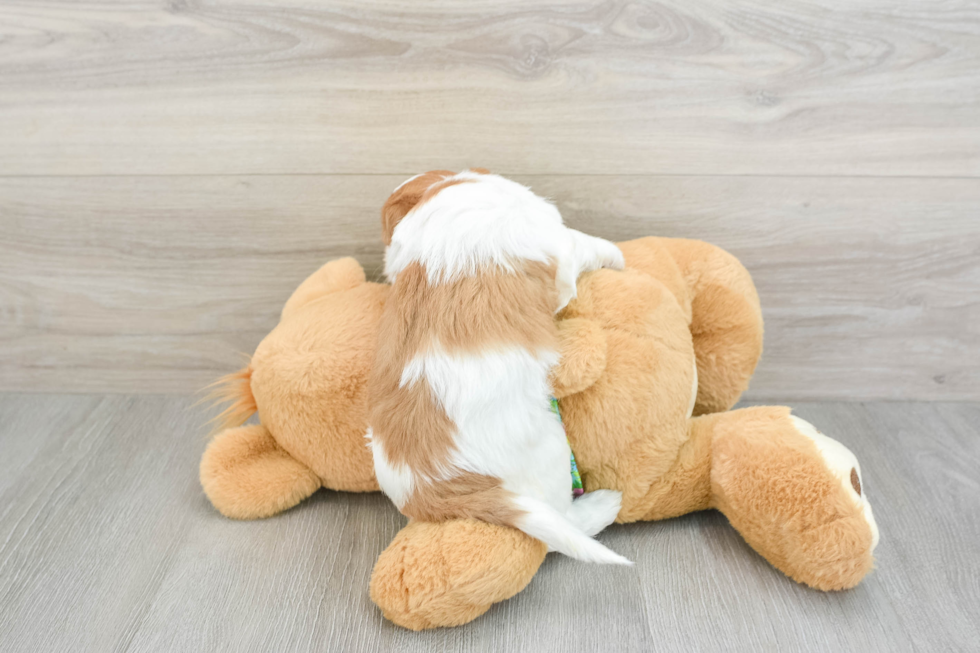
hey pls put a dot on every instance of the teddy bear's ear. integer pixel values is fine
(405, 198)
(333, 276)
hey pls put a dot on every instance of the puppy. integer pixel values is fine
(459, 393)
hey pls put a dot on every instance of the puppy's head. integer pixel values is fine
(415, 192)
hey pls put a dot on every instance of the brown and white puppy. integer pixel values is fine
(460, 413)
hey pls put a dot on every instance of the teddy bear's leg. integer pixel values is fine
(686, 486)
(333, 276)
(449, 573)
(726, 320)
(246, 475)
(794, 494)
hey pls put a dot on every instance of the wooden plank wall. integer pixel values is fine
(169, 171)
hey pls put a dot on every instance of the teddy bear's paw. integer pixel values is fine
(844, 465)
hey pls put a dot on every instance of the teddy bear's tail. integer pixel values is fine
(234, 389)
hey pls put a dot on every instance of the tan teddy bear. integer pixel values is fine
(653, 359)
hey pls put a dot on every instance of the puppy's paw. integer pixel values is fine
(607, 254)
(595, 510)
(613, 258)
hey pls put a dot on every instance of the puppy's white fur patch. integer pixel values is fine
(499, 402)
(397, 481)
(594, 511)
(491, 222)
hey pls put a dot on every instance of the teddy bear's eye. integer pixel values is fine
(855, 481)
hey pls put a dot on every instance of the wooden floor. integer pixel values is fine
(108, 544)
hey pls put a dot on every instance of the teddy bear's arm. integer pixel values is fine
(583, 356)
(726, 319)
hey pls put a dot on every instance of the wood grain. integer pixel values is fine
(107, 544)
(869, 286)
(170, 170)
(829, 87)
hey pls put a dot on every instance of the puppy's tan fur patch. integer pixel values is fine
(465, 496)
(412, 194)
(500, 308)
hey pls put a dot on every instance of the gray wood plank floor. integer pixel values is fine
(108, 544)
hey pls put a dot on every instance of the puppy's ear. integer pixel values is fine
(480, 171)
(405, 198)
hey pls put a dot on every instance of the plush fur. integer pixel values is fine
(459, 394)
(628, 346)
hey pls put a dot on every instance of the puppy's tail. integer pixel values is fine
(543, 522)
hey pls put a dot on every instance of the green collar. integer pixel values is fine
(577, 489)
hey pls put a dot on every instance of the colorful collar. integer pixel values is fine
(577, 489)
